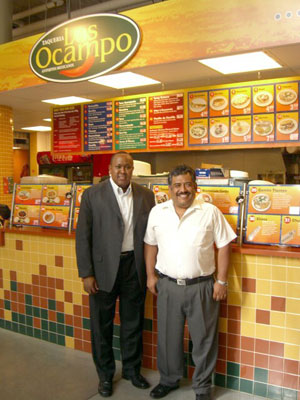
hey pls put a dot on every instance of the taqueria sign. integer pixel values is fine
(85, 47)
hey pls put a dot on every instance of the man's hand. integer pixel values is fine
(90, 285)
(220, 292)
(151, 284)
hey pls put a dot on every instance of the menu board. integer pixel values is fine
(77, 201)
(266, 113)
(97, 123)
(130, 124)
(59, 195)
(28, 194)
(273, 215)
(26, 215)
(161, 193)
(54, 216)
(166, 124)
(67, 129)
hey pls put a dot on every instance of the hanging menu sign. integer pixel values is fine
(98, 126)
(130, 124)
(166, 121)
(67, 129)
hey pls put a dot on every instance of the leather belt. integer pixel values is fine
(126, 253)
(186, 282)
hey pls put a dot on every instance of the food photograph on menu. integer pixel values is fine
(54, 217)
(57, 195)
(263, 128)
(198, 104)
(198, 131)
(240, 102)
(218, 102)
(219, 130)
(241, 129)
(287, 96)
(263, 98)
(28, 194)
(287, 128)
(26, 215)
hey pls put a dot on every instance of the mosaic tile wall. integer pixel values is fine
(6, 150)
(259, 349)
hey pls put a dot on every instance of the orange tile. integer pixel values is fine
(14, 306)
(77, 321)
(191, 371)
(44, 292)
(19, 244)
(44, 302)
(69, 319)
(59, 261)
(77, 309)
(222, 353)
(43, 281)
(85, 300)
(234, 341)
(78, 333)
(28, 288)
(278, 303)
(147, 362)
(87, 347)
(222, 339)
(43, 269)
(261, 360)
(1, 314)
(234, 312)
(277, 349)
(21, 287)
(7, 294)
(86, 334)
(60, 306)
(69, 297)
(147, 337)
(1, 303)
(51, 282)
(290, 381)
(276, 363)
(51, 293)
(13, 275)
(36, 280)
(249, 285)
(262, 346)
(291, 367)
(36, 322)
(52, 315)
(234, 326)
(59, 284)
(78, 344)
(234, 355)
(36, 301)
(263, 317)
(223, 310)
(14, 296)
(247, 372)
(221, 367)
(21, 297)
(148, 349)
(86, 312)
(275, 378)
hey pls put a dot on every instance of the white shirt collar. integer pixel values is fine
(119, 190)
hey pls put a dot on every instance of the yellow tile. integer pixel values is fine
(293, 321)
(264, 260)
(293, 274)
(59, 273)
(148, 312)
(291, 352)
(292, 336)
(67, 273)
(77, 287)
(235, 270)
(223, 325)
(249, 259)
(7, 315)
(264, 272)
(262, 331)
(6, 284)
(277, 318)
(60, 295)
(234, 299)
(263, 286)
(68, 285)
(69, 342)
(1, 293)
(51, 271)
(278, 289)
(263, 302)
(235, 283)
(293, 306)
(68, 262)
(69, 308)
(279, 274)
(293, 290)
(248, 314)
(249, 270)
(149, 299)
(247, 329)
(77, 298)
(235, 258)
(279, 261)
(249, 299)
(277, 334)
(293, 262)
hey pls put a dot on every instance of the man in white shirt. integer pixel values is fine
(180, 263)
(110, 257)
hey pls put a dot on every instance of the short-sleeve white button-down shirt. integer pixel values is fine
(186, 245)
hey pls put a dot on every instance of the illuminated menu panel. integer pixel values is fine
(97, 123)
(67, 129)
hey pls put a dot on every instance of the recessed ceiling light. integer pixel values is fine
(247, 62)
(61, 101)
(47, 119)
(37, 128)
(124, 80)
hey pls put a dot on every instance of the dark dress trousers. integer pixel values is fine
(99, 237)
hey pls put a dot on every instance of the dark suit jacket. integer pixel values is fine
(99, 233)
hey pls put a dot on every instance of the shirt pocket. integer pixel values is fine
(199, 236)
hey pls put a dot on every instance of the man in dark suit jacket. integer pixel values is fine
(110, 257)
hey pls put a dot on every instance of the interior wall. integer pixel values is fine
(254, 161)
(21, 164)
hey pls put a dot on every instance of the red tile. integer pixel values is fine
(261, 360)
(78, 344)
(19, 244)
(36, 280)
(77, 321)
(77, 310)
(222, 339)
(36, 322)
(147, 349)
(51, 293)
(59, 261)
(234, 312)
(21, 287)
(7, 294)
(1, 273)
(51, 282)
(222, 353)
(234, 326)
(249, 285)
(86, 334)
(60, 306)
(147, 362)
(290, 381)
(147, 337)
(223, 310)
(262, 346)
(52, 315)
(277, 349)
(86, 312)
(36, 302)
(36, 291)
(117, 319)
(275, 378)
(44, 302)
(28, 288)
(278, 303)
(43, 269)
(263, 317)
(276, 363)
(43, 280)
(234, 355)
(1, 314)
(85, 300)
(87, 347)
(247, 372)
(21, 297)
(13, 276)
(14, 306)
(69, 297)
(191, 371)
(291, 367)
(69, 320)
(59, 284)
(1, 303)
(21, 308)
(221, 367)
(44, 292)
(78, 333)
(247, 357)
(14, 296)
(234, 341)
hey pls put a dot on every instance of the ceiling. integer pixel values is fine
(27, 105)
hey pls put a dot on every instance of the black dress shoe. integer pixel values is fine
(105, 388)
(138, 381)
(162, 390)
(206, 396)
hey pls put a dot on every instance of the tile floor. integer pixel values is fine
(32, 369)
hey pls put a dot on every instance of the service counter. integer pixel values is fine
(259, 336)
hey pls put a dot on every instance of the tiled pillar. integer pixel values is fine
(6, 151)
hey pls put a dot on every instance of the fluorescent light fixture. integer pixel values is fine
(124, 80)
(37, 128)
(16, 148)
(47, 119)
(247, 62)
(61, 101)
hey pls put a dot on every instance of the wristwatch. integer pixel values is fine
(222, 282)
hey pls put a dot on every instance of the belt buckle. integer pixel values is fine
(181, 282)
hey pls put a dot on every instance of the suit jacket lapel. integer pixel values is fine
(111, 198)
